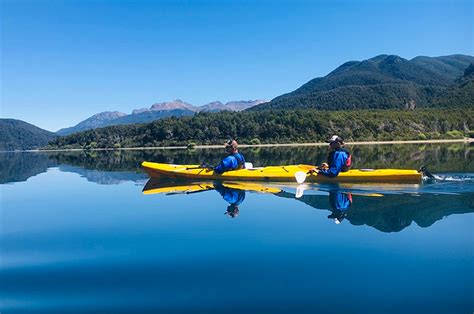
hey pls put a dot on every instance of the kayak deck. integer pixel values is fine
(278, 174)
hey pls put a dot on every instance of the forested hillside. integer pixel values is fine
(20, 135)
(382, 82)
(279, 126)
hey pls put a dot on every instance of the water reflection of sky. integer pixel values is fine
(69, 244)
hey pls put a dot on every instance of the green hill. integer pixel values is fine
(20, 135)
(279, 126)
(459, 94)
(382, 82)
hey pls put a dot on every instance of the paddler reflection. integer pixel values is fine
(340, 203)
(232, 196)
(232, 192)
(340, 200)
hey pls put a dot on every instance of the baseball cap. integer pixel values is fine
(336, 138)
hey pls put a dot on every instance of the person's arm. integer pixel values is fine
(225, 164)
(337, 165)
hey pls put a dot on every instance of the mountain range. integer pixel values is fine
(381, 82)
(176, 108)
(384, 81)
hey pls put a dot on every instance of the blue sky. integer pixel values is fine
(62, 61)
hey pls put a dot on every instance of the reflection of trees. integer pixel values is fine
(439, 158)
(393, 213)
(17, 167)
(104, 177)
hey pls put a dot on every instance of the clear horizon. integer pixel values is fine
(62, 62)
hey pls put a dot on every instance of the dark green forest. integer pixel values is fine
(385, 82)
(278, 126)
(18, 135)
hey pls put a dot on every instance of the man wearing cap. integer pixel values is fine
(233, 161)
(338, 159)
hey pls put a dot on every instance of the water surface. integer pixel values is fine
(79, 235)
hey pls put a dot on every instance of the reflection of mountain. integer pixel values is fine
(18, 167)
(386, 213)
(104, 177)
(393, 213)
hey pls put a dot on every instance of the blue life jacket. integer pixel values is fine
(231, 162)
(338, 160)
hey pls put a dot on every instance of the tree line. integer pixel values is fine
(278, 126)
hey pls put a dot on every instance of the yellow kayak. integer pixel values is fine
(279, 174)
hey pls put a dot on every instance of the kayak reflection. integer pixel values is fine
(234, 194)
(394, 210)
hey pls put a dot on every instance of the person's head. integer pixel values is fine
(232, 211)
(231, 146)
(335, 142)
(337, 216)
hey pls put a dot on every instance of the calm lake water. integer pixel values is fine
(86, 233)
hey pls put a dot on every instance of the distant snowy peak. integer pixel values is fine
(177, 108)
(214, 106)
(231, 105)
(243, 104)
(176, 104)
(96, 121)
(173, 105)
(105, 116)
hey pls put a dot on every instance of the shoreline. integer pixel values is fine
(440, 141)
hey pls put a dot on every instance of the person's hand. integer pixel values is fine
(324, 166)
(313, 171)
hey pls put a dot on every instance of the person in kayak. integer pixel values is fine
(233, 161)
(338, 160)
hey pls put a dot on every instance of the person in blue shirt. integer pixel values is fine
(234, 159)
(338, 159)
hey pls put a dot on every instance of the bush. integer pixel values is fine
(421, 136)
(455, 134)
(255, 141)
(91, 145)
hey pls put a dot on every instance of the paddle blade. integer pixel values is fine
(300, 176)
(300, 190)
(248, 165)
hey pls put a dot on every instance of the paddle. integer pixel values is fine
(247, 165)
(424, 171)
(301, 176)
(201, 167)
